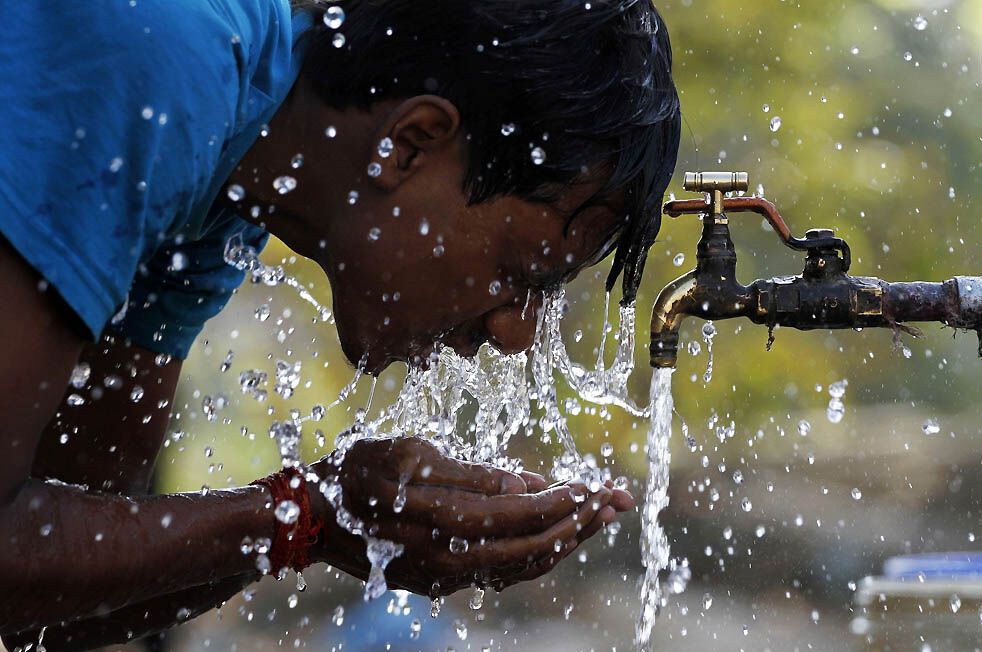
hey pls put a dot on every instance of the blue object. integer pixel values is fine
(119, 123)
(945, 565)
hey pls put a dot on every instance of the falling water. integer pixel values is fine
(654, 543)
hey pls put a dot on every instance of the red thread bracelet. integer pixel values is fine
(291, 541)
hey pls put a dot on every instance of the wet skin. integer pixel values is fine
(116, 563)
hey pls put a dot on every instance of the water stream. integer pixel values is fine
(654, 542)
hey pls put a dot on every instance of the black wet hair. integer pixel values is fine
(589, 82)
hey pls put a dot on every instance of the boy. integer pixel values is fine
(458, 155)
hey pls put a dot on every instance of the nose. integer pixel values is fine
(511, 328)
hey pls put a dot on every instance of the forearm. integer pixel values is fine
(71, 554)
(137, 620)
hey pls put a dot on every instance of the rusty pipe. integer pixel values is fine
(837, 302)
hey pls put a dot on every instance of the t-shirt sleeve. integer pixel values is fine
(183, 286)
(110, 132)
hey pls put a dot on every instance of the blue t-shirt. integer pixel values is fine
(120, 120)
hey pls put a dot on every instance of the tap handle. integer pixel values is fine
(762, 207)
(716, 181)
(734, 205)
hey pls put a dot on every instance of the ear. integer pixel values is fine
(410, 136)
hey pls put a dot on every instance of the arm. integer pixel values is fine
(112, 443)
(69, 553)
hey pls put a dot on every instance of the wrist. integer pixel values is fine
(297, 520)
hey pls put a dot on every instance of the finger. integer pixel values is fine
(472, 515)
(479, 478)
(534, 482)
(604, 517)
(515, 550)
(622, 500)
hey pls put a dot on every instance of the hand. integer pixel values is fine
(516, 528)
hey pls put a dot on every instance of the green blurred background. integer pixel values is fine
(880, 137)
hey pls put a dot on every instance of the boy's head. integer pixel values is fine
(472, 152)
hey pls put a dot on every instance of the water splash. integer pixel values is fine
(434, 395)
(709, 335)
(654, 543)
(246, 259)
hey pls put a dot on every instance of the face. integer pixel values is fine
(411, 264)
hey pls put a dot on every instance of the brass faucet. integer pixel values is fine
(824, 296)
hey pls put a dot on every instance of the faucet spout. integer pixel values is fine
(671, 308)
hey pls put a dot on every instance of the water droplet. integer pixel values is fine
(495, 288)
(460, 627)
(374, 169)
(477, 599)
(776, 123)
(179, 261)
(284, 184)
(74, 400)
(458, 546)
(80, 375)
(334, 17)
(353, 197)
(931, 427)
(955, 603)
(738, 476)
(338, 616)
(236, 192)
(920, 23)
(287, 512)
(804, 428)
(166, 520)
(679, 260)
(292, 601)
(386, 147)
(572, 406)
(908, 56)
(746, 505)
(147, 112)
(606, 449)
(297, 161)
(331, 132)
(856, 494)
(507, 129)
(424, 227)
(538, 156)
(136, 394)
(374, 233)
(338, 40)
(707, 601)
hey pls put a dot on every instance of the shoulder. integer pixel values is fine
(150, 40)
